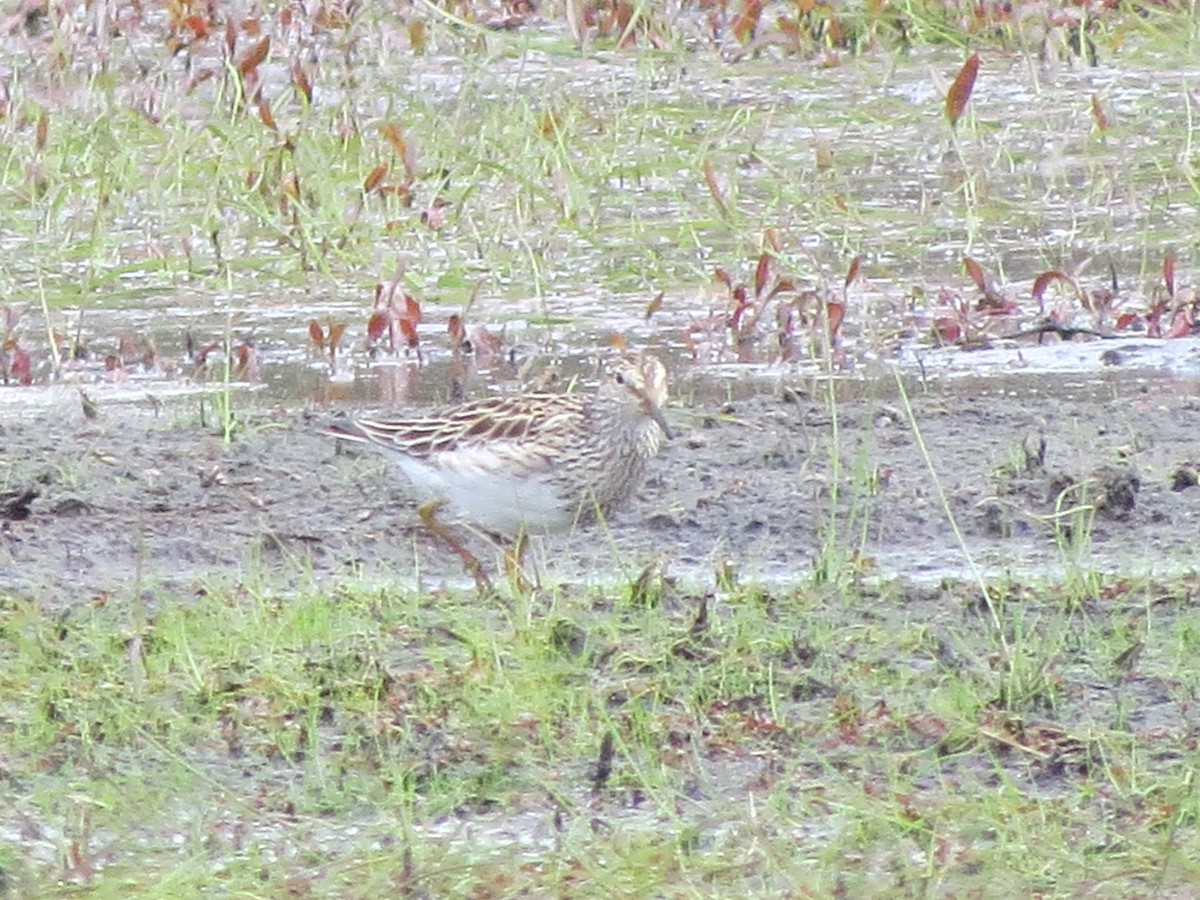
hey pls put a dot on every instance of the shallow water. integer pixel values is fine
(854, 159)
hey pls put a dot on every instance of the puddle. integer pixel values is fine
(1046, 191)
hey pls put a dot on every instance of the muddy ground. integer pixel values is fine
(151, 501)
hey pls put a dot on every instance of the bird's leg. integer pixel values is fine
(514, 565)
(428, 513)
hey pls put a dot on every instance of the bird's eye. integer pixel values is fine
(619, 377)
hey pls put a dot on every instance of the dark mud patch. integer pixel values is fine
(1042, 475)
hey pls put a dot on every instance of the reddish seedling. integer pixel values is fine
(1174, 313)
(746, 323)
(15, 363)
(654, 305)
(302, 80)
(326, 340)
(396, 317)
(961, 90)
(745, 21)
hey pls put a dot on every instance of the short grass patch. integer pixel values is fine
(868, 741)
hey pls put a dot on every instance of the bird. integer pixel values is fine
(530, 462)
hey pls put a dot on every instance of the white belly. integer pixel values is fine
(494, 500)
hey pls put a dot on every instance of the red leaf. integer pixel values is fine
(1098, 114)
(947, 330)
(21, 366)
(736, 318)
(403, 195)
(654, 305)
(198, 25)
(247, 361)
(622, 16)
(331, 16)
(316, 333)
(80, 866)
(790, 29)
(412, 311)
(788, 328)
(761, 274)
(202, 353)
(1044, 281)
(1125, 320)
(301, 82)
(456, 330)
(264, 114)
(378, 325)
(376, 176)
(409, 330)
(254, 57)
(1169, 273)
(834, 314)
(722, 276)
(335, 333)
(772, 241)
(960, 90)
(1182, 324)
(782, 286)
(714, 188)
(394, 135)
(996, 304)
(975, 270)
(745, 22)
(1154, 319)
(853, 272)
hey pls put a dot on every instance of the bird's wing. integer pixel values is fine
(526, 423)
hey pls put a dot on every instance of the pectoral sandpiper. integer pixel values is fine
(528, 462)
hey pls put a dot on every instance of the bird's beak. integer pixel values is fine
(657, 415)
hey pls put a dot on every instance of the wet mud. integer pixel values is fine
(1040, 474)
